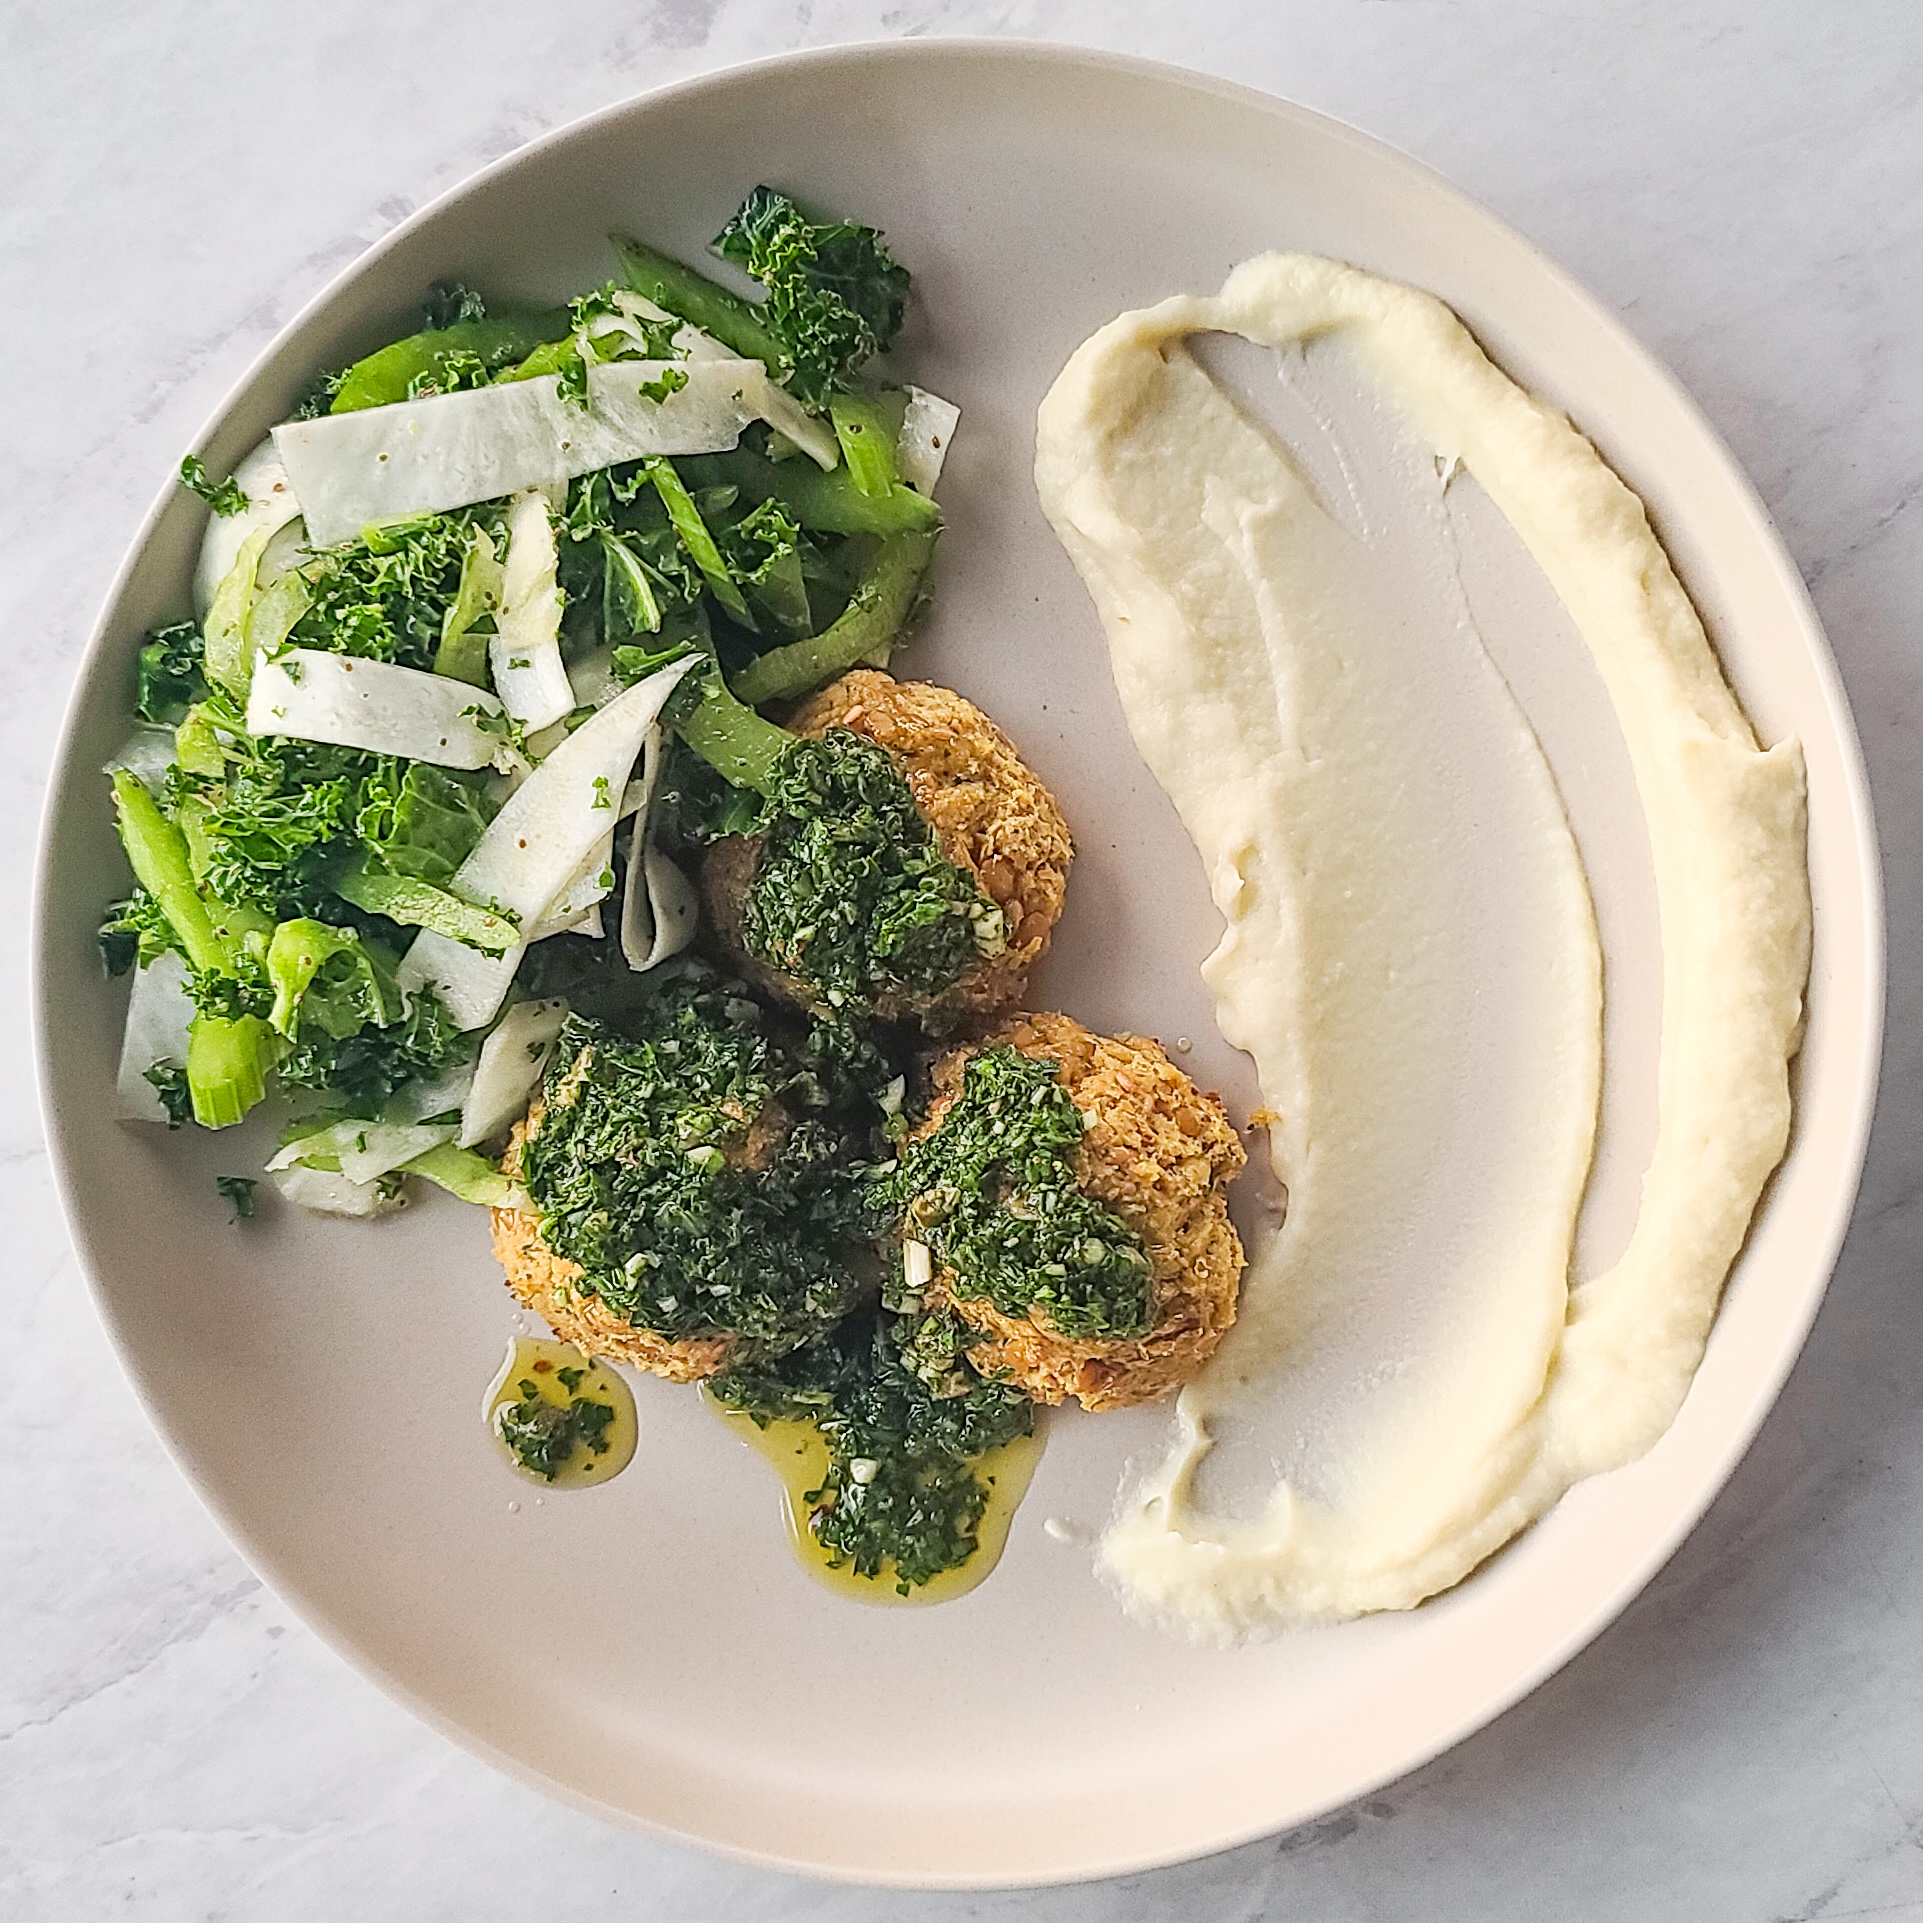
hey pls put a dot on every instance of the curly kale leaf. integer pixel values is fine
(168, 1080)
(135, 930)
(366, 1066)
(835, 294)
(452, 371)
(224, 497)
(170, 678)
(767, 554)
(386, 594)
(852, 893)
(316, 397)
(904, 1494)
(418, 820)
(624, 570)
(448, 303)
(239, 1191)
(273, 828)
(992, 1191)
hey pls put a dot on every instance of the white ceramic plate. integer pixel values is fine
(651, 1651)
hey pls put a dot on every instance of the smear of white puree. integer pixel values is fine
(1411, 961)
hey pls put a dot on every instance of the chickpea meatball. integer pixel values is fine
(680, 1210)
(990, 816)
(550, 1285)
(1157, 1152)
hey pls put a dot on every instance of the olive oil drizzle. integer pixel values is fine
(559, 1376)
(798, 1455)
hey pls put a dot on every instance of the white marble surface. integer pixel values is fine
(1743, 181)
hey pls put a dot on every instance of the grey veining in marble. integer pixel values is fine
(1743, 181)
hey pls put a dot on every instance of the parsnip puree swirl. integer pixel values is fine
(1410, 959)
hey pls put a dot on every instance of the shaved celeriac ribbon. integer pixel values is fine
(271, 504)
(779, 408)
(327, 1192)
(159, 1014)
(314, 695)
(528, 852)
(451, 450)
(510, 1067)
(524, 656)
(659, 906)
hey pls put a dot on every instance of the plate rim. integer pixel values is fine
(1853, 792)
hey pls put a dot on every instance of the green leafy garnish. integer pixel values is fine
(764, 552)
(992, 1192)
(271, 826)
(835, 295)
(670, 380)
(224, 497)
(135, 931)
(449, 302)
(169, 678)
(670, 1167)
(365, 1067)
(684, 512)
(387, 595)
(239, 1190)
(418, 820)
(169, 1081)
(326, 978)
(544, 1435)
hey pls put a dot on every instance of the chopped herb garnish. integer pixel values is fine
(671, 380)
(992, 1192)
(902, 1498)
(169, 1082)
(671, 1166)
(224, 497)
(852, 893)
(239, 1190)
(544, 1435)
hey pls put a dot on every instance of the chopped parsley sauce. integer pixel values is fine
(992, 1192)
(852, 893)
(673, 1166)
(906, 1424)
(543, 1436)
(558, 1417)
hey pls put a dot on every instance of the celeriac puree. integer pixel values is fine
(1421, 1071)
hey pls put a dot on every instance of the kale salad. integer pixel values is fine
(462, 624)
(468, 846)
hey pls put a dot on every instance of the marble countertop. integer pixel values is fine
(1743, 182)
